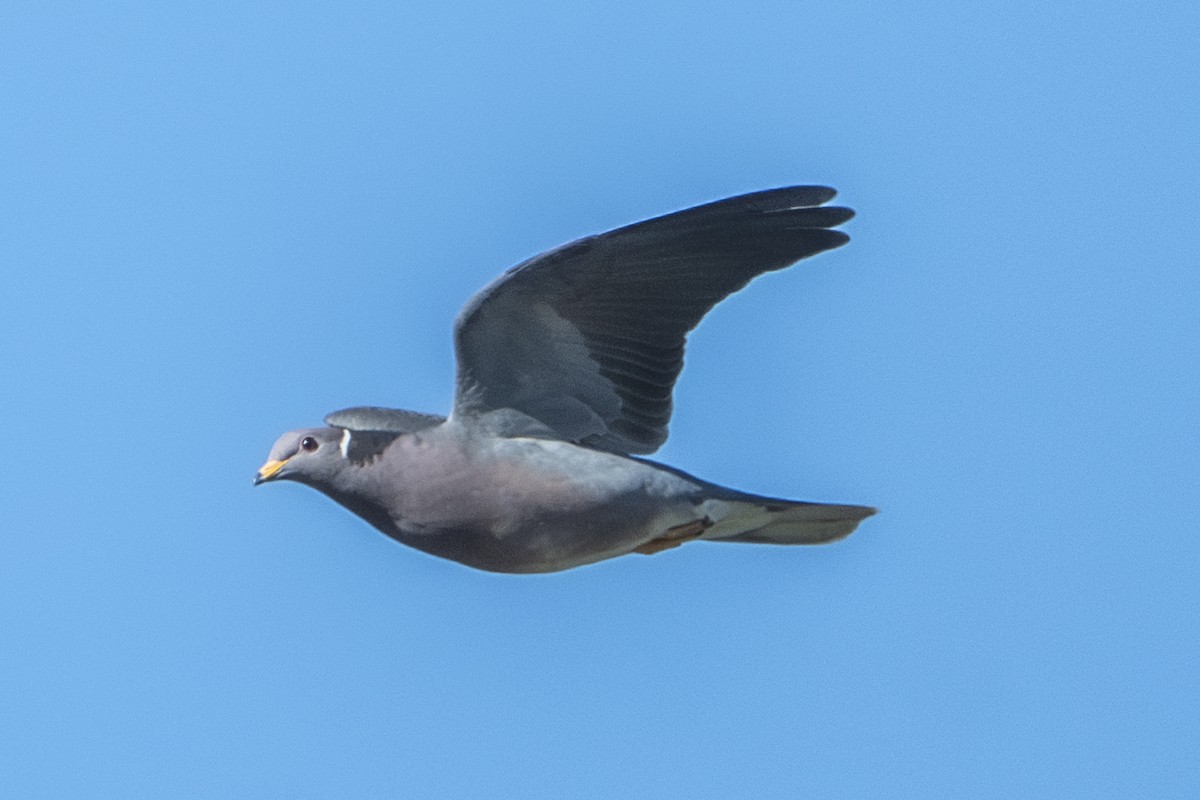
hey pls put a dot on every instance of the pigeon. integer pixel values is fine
(566, 365)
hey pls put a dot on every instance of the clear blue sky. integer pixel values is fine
(220, 222)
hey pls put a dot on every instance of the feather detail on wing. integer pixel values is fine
(588, 338)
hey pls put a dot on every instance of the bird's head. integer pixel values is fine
(313, 456)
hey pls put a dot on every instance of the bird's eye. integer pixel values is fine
(308, 444)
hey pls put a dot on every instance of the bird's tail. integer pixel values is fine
(767, 520)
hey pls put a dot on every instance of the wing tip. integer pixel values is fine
(788, 197)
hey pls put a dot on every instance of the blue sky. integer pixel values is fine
(220, 222)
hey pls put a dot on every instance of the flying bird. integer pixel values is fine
(566, 366)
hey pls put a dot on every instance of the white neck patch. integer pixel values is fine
(345, 446)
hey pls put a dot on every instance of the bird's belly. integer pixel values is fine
(549, 543)
(534, 506)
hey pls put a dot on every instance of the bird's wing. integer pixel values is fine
(588, 338)
(373, 418)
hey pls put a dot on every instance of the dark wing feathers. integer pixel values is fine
(588, 338)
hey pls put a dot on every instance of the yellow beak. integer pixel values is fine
(268, 470)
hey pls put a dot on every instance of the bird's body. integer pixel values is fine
(523, 504)
(566, 366)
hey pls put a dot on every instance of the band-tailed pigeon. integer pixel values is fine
(566, 365)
